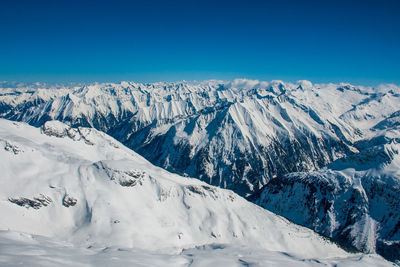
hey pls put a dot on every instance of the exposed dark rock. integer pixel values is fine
(69, 201)
(35, 203)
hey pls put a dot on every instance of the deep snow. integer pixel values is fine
(76, 196)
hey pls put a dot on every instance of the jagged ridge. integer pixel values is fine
(236, 135)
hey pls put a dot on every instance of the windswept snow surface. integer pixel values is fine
(29, 250)
(77, 197)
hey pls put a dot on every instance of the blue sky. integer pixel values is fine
(323, 41)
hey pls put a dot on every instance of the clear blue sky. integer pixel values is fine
(324, 41)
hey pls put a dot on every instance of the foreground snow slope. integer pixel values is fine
(18, 249)
(81, 187)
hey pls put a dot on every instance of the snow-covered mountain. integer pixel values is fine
(354, 200)
(241, 134)
(75, 195)
(235, 135)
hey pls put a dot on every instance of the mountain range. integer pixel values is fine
(325, 156)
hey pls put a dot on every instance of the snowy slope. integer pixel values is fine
(78, 192)
(80, 186)
(240, 134)
(354, 200)
(237, 134)
(30, 250)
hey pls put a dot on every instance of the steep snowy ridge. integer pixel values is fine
(78, 185)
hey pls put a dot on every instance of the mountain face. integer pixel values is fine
(354, 200)
(322, 155)
(235, 135)
(72, 193)
(80, 185)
